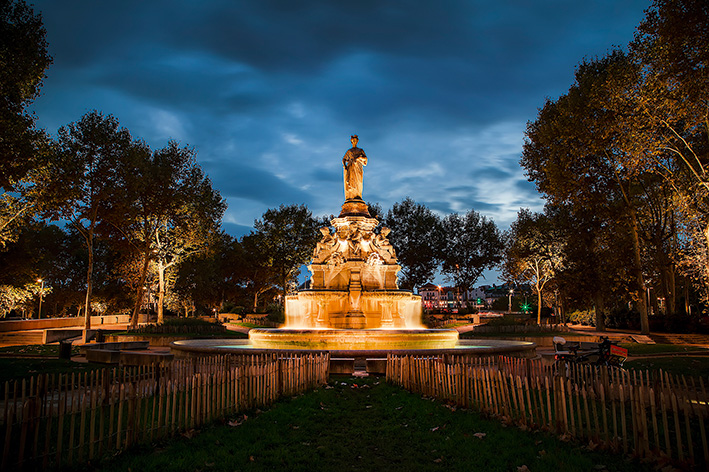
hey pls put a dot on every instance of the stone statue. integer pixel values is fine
(385, 249)
(326, 244)
(353, 167)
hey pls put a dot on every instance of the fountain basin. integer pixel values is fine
(353, 339)
(466, 347)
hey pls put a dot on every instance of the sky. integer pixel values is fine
(268, 92)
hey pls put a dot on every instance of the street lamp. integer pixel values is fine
(439, 297)
(509, 306)
(41, 292)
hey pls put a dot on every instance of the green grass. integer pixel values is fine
(697, 366)
(356, 424)
(17, 368)
(635, 349)
(225, 334)
(245, 324)
(537, 334)
(49, 350)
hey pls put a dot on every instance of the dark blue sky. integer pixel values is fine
(269, 91)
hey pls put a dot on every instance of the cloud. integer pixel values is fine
(268, 92)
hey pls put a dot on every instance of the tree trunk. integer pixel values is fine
(667, 288)
(161, 291)
(89, 277)
(600, 308)
(539, 304)
(255, 300)
(139, 297)
(638, 269)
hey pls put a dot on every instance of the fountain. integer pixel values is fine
(354, 305)
(353, 301)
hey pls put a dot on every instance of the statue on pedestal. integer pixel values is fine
(353, 168)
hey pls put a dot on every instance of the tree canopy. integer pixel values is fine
(417, 236)
(472, 244)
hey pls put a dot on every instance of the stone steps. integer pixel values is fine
(671, 338)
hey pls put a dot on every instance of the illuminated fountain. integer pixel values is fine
(354, 301)
(354, 304)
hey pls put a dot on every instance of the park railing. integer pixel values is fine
(64, 419)
(652, 415)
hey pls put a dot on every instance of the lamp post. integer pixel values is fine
(439, 297)
(509, 306)
(41, 292)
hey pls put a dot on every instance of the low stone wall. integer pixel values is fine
(520, 329)
(49, 323)
(155, 341)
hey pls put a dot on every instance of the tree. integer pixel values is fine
(577, 152)
(211, 279)
(670, 100)
(23, 62)
(23, 151)
(255, 263)
(288, 236)
(472, 244)
(165, 208)
(83, 174)
(417, 236)
(534, 252)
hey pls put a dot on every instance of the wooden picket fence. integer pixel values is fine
(57, 420)
(652, 415)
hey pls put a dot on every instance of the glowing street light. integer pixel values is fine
(509, 306)
(41, 292)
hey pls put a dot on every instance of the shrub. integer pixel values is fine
(585, 317)
(677, 324)
(180, 326)
(276, 313)
(230, 307)
(623, 318)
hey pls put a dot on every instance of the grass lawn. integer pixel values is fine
(225, 334)
(244, 324)
(635, 349)
(17, 368)
(697, 366)
(364, 424)
(49, 350)
(538, 334)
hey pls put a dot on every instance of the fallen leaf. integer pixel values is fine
(480, 435)
(252, 459)
(438, 461)
(190, 433)
(523, 468)
(434, 429)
